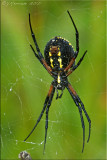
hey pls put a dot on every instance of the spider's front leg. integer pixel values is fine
(39, 56)
(75, 66)
(75, 53)
(81, 107)
(76, 33)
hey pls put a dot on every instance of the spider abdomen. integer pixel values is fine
(58, 53)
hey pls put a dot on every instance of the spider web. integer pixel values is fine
(25, 83)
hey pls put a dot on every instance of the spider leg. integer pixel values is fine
(74, 96)
(47, 98)
(39, 56)
(77, 44)
(78, 100)
(87, 116)
(75, 66)
(58, 96)
(47, 111)
(69, 65)
(33, 36)
(77, 34)
(45, 65)
(41, 114)
(61, 94)
(36, 54)
(57, 93)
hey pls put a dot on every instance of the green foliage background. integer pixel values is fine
(25, 84)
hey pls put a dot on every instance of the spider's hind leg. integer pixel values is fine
(73, 94)
(51, 94)
(47, 102)
(87, 116)
(81, 108)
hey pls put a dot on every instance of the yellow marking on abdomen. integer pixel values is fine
(51, 61)
(60, 62)
(50, 54)
(59, 53)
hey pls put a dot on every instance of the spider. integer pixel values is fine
(59, 61)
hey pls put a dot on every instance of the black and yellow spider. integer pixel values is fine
(59, 61)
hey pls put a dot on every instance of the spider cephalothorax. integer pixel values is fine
(59, 61)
